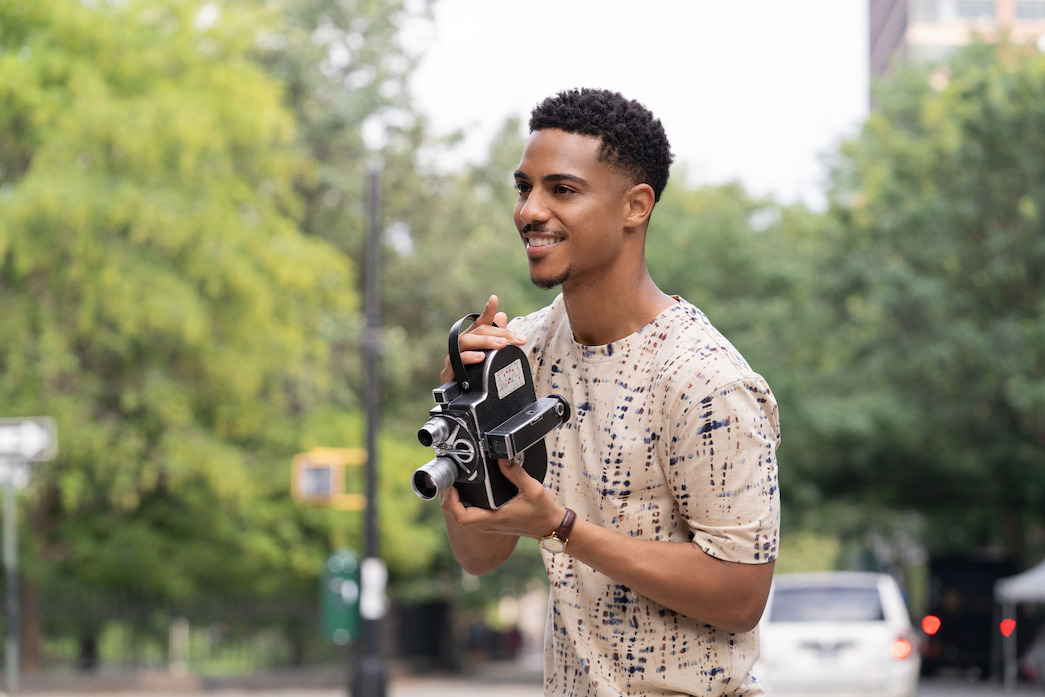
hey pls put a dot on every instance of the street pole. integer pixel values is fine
(22, 440)
(369, 679)
(11, 579)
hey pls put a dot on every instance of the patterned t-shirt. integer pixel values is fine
(672, 437)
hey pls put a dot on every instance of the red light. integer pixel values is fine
(931, 624)
(901, 649)
(1008, 626)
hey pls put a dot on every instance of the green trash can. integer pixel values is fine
(339, 597)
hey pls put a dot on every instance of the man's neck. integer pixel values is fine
(601, 315)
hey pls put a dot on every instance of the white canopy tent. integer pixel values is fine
(1026, 587)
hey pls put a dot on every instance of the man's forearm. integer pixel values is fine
(678, 575)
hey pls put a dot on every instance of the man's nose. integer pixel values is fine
(534, 209)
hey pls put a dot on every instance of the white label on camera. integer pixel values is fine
(509, 378)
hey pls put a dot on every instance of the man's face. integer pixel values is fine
(570, 209)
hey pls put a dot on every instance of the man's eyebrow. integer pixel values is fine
(553, 178)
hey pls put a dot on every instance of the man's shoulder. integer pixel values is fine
(699, 345)
(692, 331)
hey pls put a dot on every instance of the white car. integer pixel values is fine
(838, 634)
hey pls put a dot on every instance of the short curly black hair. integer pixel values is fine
(633, 139)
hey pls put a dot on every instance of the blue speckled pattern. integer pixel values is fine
(673, 437)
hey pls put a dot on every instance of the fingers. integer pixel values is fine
(484, 336)
(489, 313)
(490, 322)
(490, 316)
(515, 473)
(452, 505)
(458, 512)
(450, 502)
(525, 515)
(529, 488)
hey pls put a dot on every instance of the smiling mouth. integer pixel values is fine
(538, 237)
(538, 241)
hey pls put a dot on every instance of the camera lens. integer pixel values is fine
(434, 431)
(434, 477)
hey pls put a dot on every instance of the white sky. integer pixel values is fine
(754, 90)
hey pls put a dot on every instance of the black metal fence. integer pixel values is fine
(67, 630)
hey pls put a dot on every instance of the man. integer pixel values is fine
(659, 512)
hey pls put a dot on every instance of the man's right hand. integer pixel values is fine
(483, 336)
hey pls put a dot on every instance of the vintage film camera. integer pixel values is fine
(489, 411)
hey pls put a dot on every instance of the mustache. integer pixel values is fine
(535, 227)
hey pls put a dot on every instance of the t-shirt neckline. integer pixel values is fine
(617, 350)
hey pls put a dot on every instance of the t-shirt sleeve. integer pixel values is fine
(722, 468)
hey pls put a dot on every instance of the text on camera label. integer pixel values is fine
(509, 379)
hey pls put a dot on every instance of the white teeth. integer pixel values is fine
(541, 241)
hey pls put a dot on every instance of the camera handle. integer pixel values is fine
(454, 350)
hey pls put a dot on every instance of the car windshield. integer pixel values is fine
(826, 604)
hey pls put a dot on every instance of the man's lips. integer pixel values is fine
(538, 238)
(540, 241)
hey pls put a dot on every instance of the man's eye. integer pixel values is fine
(560, 189)
(522, 187)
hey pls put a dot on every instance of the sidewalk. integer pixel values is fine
(518, 678)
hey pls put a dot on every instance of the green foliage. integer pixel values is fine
(157, 297)
(345, 73)
(941, 294)
(463, 247)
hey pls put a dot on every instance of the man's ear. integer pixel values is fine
(638, 202)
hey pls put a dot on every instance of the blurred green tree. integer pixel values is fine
(462, 247)
(938, 280)
(159, 300)
(344, 71)
(345, 68)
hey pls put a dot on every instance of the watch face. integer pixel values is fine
(552, 544)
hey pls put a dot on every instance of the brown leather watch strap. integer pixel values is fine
(566, 526)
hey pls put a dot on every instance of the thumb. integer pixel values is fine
(515, 473)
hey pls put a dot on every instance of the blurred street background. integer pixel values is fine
(234, 235)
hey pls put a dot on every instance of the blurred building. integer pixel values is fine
(930, 30)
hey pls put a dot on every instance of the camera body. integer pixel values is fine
(489, 411)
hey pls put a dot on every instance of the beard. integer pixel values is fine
(549, 283)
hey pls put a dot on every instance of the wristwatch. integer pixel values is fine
(556, 542)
